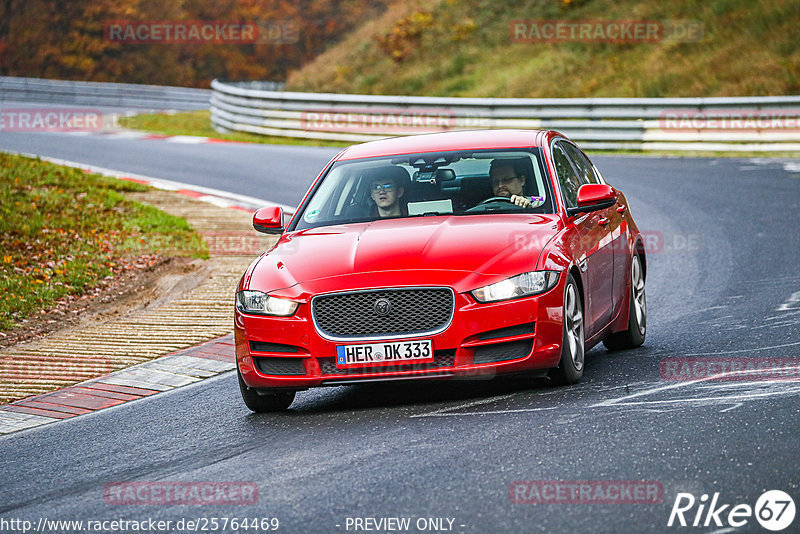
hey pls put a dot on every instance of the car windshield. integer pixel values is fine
(428, 184)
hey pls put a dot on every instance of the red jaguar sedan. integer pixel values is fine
(441, 256)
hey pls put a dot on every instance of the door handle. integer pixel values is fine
(621, 208)
(603, 221)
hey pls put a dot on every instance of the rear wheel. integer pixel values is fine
(570, 367)
(637, 313)
(271, 402)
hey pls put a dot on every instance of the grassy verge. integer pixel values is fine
(199, 123)
(62, 231)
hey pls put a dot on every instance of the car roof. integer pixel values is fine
(446, 141)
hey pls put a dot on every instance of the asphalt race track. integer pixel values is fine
(278, 173)
(721, 275)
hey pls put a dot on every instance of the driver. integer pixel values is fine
(386, 193)
(508, 180)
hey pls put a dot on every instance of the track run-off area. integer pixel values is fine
(466, 456)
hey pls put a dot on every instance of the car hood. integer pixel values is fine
(459, 251)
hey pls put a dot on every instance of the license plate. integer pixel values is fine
(386, 353)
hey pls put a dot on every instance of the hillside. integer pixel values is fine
(465, 48)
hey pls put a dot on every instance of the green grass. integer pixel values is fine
(198, 123)
(62, 231)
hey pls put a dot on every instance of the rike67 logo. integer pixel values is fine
(774, 510)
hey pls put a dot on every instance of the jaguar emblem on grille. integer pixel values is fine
(382, 307)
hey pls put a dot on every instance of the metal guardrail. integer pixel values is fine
(682, 124)
(121, 95)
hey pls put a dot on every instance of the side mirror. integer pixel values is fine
(269, 220)
(593, 197)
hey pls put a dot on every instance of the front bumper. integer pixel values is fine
(483, 340)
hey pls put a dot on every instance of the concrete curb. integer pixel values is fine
(168, 372)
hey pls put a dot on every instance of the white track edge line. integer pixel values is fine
(161, 183)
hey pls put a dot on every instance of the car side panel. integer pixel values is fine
(622, 251)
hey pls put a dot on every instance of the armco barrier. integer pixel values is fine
(682, 124)
(95, 94)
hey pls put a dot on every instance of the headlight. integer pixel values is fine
(517, 286)
(258, 302)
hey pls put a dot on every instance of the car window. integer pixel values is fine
(567, 178)
(582, 164)
(424, 184)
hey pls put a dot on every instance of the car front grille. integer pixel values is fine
(359, 314)
(441, 358)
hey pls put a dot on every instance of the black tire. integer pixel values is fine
(570, 368)
(637, 313)
(272, 402)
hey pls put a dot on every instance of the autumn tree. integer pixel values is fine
(66, 39)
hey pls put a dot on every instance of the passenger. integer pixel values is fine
(508, 180)
(386, 193)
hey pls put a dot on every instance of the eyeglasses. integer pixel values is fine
(505, 181)
(377, 188)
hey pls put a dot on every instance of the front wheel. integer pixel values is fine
(272, 402)
(570, 367)
(637, 313)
